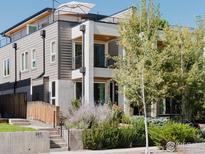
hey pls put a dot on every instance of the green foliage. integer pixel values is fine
(125, 119)
(110, 135)
(139, 132)
(101, 137)
(117, 113)
(175, 132)
(75, 104)
(127, 136)
(138, 36)
(174, 70)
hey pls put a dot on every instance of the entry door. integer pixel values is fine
(99, 93)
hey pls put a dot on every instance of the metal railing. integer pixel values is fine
(109, 62)
(4, 41)
(57, 16)
(114, 20)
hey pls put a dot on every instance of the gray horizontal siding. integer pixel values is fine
(33, 41)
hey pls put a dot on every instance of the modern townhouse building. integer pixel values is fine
(48, 57)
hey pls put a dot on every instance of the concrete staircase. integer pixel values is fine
(21, 122)
(57, 143)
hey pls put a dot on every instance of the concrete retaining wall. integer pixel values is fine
(75, 139)
(24, 142)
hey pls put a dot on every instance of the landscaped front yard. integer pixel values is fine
(13, 128)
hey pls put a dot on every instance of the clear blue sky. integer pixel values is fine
(177, 12)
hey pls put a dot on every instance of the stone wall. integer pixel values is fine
(24, 142)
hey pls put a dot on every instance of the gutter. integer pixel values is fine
(43, 36)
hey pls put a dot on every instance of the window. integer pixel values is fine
(52, 51)
(31, 28)
(78, 55)
(53, 92)
(99, 55)
(24, 61)
(33, 59)
(99, 93)
(6, 67)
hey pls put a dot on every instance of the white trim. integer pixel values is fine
(8, 70)
(56, 92)
(33, 59)
(23, 61)
(53, 53)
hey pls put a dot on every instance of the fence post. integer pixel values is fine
(68, 139)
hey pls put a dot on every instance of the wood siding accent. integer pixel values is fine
(65, 49)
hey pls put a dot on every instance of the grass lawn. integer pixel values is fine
(12, 128)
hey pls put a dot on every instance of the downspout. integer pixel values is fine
(15, 82)
(83, 69)
(43, 36)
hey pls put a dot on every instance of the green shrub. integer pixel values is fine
(110, 135)
(139, 132)
(175, 132)
(125, 119)
(101, 137)
(126, 137)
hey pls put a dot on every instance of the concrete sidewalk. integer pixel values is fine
(153, 150)
(198, 148)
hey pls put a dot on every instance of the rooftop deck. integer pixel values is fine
(60, 16)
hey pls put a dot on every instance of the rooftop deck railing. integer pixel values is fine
(4, 41)
(59, 15)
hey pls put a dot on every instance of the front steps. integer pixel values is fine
(20, 122)
(57, 143)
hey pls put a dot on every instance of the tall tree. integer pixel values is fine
(135, 74)
(181, 65)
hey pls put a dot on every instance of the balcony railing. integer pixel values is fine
(109, 62)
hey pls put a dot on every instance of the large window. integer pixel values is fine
(53, 52)
(24, 61)
(6, 67)
(33, 59)
(99, 55)
(78, 55)
(99, 93)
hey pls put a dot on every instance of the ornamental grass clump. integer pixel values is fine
(86, 117)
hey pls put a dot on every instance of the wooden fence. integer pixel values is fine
(44, 112)
(13, 105)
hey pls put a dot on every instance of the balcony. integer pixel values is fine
(108, 63)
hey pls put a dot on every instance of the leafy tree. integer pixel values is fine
(175, 69)
(181, 65)
(134, 72)
(138, 37)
